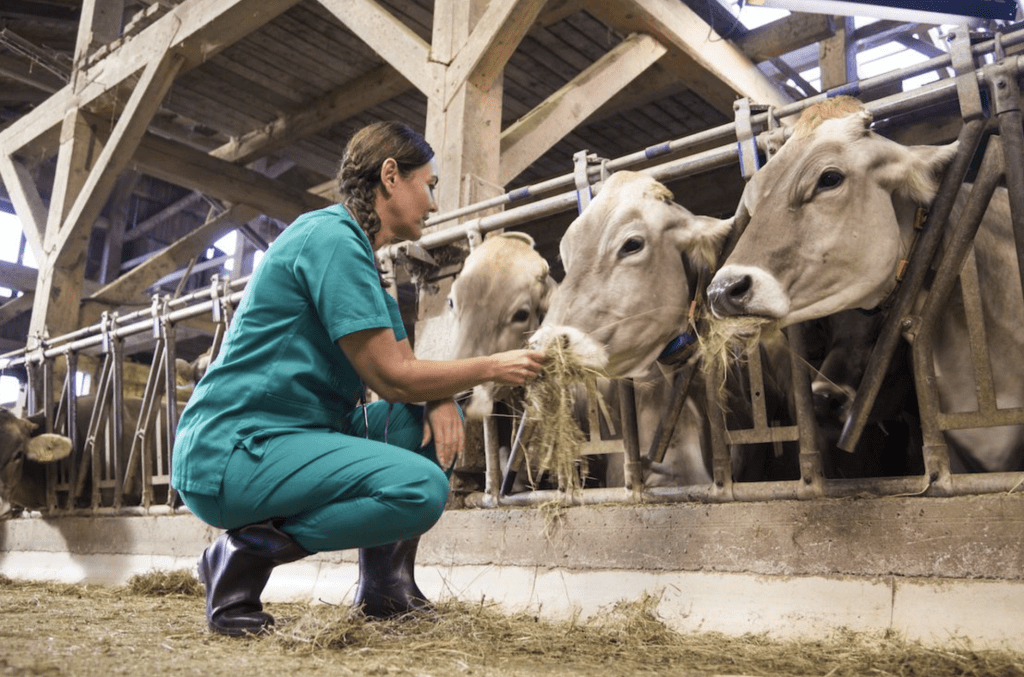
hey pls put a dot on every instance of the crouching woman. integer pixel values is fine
(274, 445)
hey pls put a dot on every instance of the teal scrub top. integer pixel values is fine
(280, 369)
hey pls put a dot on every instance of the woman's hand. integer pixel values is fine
(443, 424)
(517, 367)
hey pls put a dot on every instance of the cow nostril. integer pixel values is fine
(731, 295)
(829, 403)
(740, 287)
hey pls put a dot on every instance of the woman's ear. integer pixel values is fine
(389, 172)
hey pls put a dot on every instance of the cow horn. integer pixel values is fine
(47, 448)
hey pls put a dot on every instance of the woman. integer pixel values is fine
(274, 445)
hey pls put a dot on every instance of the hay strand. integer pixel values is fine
(556, 438)
(165, 583)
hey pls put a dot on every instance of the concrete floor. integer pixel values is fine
(934, 569)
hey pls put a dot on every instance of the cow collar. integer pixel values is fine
(920, 223)
(683, 346)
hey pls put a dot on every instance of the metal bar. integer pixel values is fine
(811, 475)
(970, 292)
(1006, 96)
(958, 239)
(115, 450)
(668, 422)
(632, 468)
(170, 395)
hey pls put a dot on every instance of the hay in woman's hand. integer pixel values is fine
(556, 438)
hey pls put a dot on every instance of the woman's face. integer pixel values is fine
(405, 202)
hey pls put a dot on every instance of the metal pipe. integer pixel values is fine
(958, 239)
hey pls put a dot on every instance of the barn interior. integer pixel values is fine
(246, 131)
(152, 149)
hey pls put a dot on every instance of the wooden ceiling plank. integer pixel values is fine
(563, 111)
(38, 78)
(392, 40)
(28, 204)
(495, 37)
(678, 26)
(196, 29)
(375, 87)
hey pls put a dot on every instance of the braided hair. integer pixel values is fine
(366, 152)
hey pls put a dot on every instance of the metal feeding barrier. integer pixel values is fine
(129, 473)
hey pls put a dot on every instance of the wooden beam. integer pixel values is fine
(195, 170)
(837, 56)
(27, 203)
(196, 29)
(15, 307)
(495, 37)
(677, 26)
(370, 89)
(784, 35)
(540, 129)
(390, 39)
(157, 77)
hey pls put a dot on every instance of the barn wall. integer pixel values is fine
(930, 569)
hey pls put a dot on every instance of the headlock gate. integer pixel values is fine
(122, 459)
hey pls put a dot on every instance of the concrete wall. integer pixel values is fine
(931, 569)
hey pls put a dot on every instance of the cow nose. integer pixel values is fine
(730, 295)
(830, 402)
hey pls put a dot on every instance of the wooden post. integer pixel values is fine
(838, 56)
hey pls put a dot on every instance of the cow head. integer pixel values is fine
(22, 453)
(831, 216)
(498, 301)
(626, 291)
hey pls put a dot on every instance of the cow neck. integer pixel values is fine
(920, 223)
(680, 348)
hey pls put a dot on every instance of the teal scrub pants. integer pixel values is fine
(336, 491)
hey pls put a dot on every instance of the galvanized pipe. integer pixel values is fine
(958, 239)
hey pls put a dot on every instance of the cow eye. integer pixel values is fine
(829, 179)
(631, 246)
(522, 315)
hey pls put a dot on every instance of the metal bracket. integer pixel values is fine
(967, 88)
(582, 161)
(746, 142)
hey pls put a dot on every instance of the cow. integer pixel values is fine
(631, 260)
(24, 452)
(498, 300)
(891, 442)
(828, 221)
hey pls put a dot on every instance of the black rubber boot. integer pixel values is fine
(387, 587)
(236, 568)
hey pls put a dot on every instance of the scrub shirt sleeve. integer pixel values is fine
(336, 267)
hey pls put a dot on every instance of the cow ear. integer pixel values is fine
(550, 287)
(47, 448)
(701, 237)
(916, 171)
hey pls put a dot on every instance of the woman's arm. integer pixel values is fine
(397, 375)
